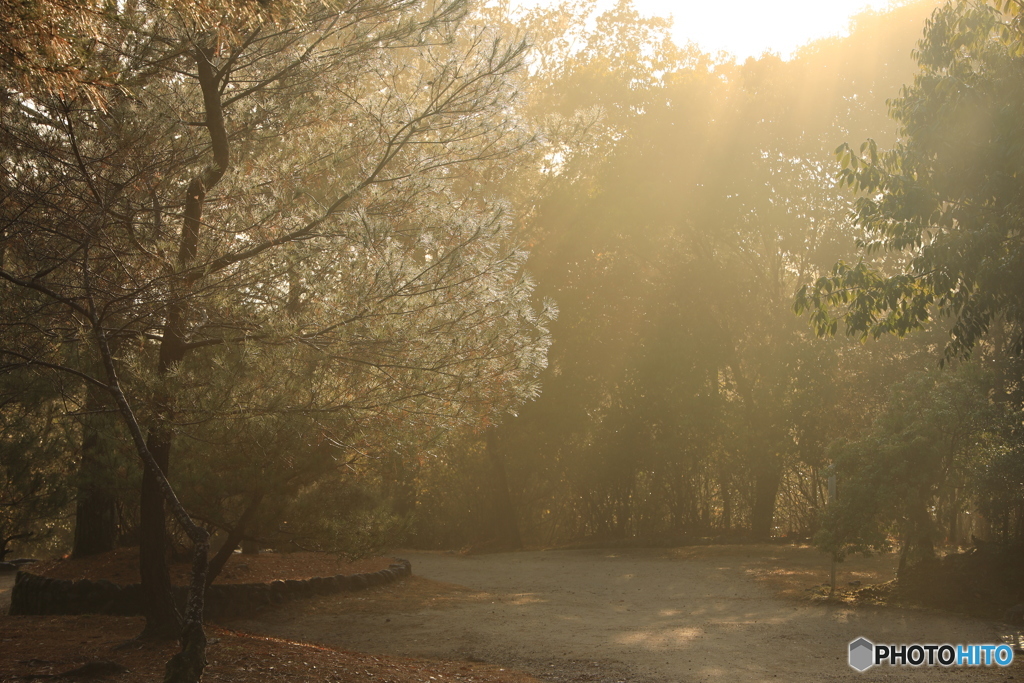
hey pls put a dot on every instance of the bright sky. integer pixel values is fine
(748, 28)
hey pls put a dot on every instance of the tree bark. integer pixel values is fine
(161, 618)
(187, 665)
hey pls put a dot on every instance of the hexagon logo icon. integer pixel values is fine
(862, 654)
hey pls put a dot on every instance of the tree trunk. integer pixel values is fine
(187, 665)
(506, 524)
(96, 504)
(162, 618)
(766, 489)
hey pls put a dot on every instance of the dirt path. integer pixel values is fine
(705, 614)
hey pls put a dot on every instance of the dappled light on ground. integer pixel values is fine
(666, 616)
(525, 599)
(660, 639)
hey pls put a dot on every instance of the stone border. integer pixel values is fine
(14, 565)
(34, 594)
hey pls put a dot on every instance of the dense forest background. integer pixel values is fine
(648, 381)
(685, 399)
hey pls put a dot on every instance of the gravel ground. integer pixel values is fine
(715, 614)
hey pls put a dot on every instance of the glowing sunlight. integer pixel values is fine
(749, 28)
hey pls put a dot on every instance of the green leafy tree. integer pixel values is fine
(940, 215)
(997, 486)
(944, 201)
(895, 478)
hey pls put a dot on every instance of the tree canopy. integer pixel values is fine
(267, 237)
(945, 200)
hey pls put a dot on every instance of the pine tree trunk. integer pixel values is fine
(162, 618)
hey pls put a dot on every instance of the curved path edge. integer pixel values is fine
(33, 594)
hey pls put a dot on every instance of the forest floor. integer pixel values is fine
(708, 613)
(41, 647)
